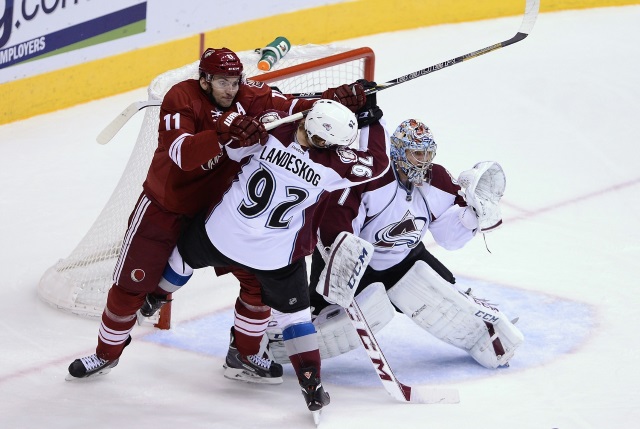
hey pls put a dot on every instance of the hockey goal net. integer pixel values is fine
(79, 283)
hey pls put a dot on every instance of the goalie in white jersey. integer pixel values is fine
(267, 220)
(393, 213)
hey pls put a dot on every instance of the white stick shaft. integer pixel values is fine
(118, 122)
(292, 118)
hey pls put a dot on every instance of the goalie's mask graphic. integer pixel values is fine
(413, 150)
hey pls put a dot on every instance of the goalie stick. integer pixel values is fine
(532, 8)
(392, 385)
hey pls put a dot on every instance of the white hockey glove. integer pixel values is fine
(345, 265)
(483, 186)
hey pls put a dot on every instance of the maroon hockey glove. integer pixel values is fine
(243, 130)
(351, 96)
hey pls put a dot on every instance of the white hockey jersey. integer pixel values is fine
(266, 218)
(381, 213)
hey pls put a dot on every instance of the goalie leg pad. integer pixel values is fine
(456, 317)
(336, 334)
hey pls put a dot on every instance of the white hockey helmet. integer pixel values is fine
(332, 122)
(413, 149)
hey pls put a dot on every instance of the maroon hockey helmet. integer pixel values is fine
(220, 62)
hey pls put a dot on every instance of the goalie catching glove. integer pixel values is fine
(241, 129)
(483, 187)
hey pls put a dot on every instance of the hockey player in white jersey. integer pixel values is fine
(267, 220)
(393, 213)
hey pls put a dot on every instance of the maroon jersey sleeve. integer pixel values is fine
(256, 97)
(442, 179)
(186, 128)
(341, 209)
(358, 166)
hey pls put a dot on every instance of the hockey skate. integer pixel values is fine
(314, 395)
(152, 304)
(91, 366)
(251, 369)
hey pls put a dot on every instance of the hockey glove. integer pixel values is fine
(370, 113)
(242, 130)
(482, 188)
(352, 96)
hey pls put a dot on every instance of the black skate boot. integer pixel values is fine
(252, 369)
(314, 395)
(152, 304)
(91, 366)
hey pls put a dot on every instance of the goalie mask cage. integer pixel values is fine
(79, 283)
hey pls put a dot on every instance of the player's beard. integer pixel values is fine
(212, 99)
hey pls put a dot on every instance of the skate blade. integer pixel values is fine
(70, 377)
(249, 377)
(316, 417)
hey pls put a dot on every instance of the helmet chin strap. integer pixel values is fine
(404, 181)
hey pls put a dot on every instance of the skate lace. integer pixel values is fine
(92, 362)
(259, 361)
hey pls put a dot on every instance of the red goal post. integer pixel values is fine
(79, 283)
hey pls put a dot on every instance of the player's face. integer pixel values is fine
(318, 142)
(224, 89)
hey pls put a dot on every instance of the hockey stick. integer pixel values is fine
(532, 8)
(118, 122)
(392, 385)
(112, 129)
(291, 118)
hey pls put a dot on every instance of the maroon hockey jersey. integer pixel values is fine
(188, 170)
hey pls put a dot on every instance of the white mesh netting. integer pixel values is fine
(79, 282)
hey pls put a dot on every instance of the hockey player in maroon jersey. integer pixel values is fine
(266, 222)
(189, 170)
(393, 213)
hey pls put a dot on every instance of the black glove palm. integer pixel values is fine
(370, 113)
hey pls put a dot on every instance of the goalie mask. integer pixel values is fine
(329, 123)
(413, 150)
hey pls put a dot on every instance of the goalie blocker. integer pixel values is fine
(433, 304)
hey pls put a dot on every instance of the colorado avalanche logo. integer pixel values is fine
(407, 232)
(346, 155)
(326, 126)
